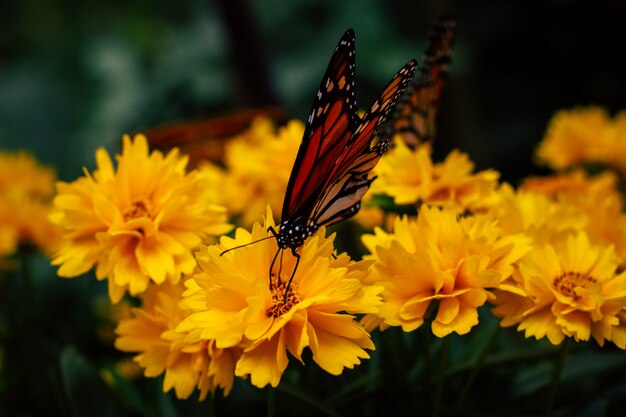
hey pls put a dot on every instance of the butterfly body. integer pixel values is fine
(293, 232)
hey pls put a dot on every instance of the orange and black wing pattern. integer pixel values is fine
(416, 117)
(330, 174)
(329, 127)
(350, 179)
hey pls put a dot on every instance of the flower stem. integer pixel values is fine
(556, 376)
(443, 364)
(27, 282)
(271, 402)
(478, 364)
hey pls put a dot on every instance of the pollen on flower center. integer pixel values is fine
(568, 281)
(139, 208)
(281, 306)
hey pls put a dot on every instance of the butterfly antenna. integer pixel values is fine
(293, 273)
(247, 244)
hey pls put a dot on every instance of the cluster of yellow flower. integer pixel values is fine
(548, 256)
(256, 170)
(585, 135)
(26, 190)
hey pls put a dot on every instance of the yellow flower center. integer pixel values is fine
(280, 304)
(139, 208)
(568, 281)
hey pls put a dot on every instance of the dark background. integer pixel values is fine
(75, 75)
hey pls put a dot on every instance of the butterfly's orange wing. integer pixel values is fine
(416, 116)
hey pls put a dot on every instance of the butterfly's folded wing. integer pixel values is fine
(331, 122)
(349, 179)
(416, 116)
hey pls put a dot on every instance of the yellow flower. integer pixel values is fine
(257, 168)
(535, 215)
(187, 366)
(137, 224)
(572, 137)
(439, 257)
(574, 183)
(20, 171)
(568, 288)
(26, 190)
(597, 198)
(410, 177)
(584, 135)
(232, 302)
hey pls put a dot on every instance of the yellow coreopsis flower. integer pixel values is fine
(568, 288)
(584, 135)
(597, 198)
(20, 171)
(574, 183)
(26, 190)
(440, 257)
(574, 136)
(138, 223)
(534, 215)
(233, 302)
(411, 177)
(257, 168)
(187, 366)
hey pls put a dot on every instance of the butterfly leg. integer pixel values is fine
(293, 273)
(279, 250)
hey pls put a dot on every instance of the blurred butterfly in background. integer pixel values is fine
(337, 152)
(205, 139)
(415, 119)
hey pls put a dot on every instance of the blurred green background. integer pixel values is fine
(76, 75)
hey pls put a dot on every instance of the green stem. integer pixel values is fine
(556, 376)
(271, 402)
(443, 364)
(27, 283)
(478, 364)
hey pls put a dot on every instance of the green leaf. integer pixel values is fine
(130, 396)
(86, 392)
(386, 203)
(166, 405)
(307, 399)
(576, 367)
(595, 409)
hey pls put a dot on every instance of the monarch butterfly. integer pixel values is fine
(330, 174)
(416, 116)
(205, 139)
